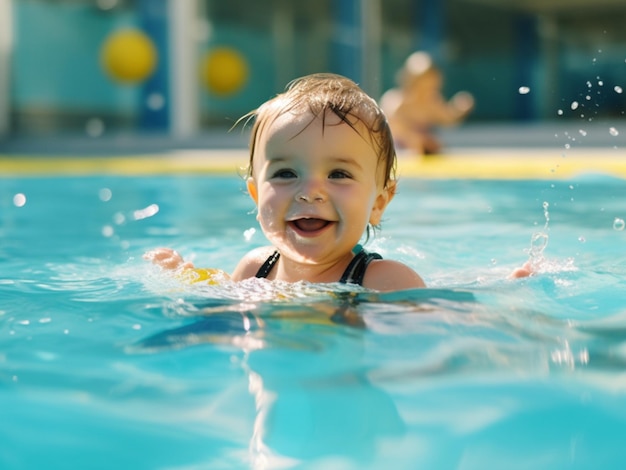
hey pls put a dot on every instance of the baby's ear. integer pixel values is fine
(252, 190)
(383, 198)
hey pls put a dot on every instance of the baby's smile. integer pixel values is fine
(309, 225)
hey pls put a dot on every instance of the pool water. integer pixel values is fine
(107, 362)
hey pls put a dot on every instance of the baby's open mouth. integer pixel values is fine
(309, 224)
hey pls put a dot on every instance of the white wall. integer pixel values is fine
(6, 33)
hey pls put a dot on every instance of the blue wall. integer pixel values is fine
(56, 58)
(56, 65)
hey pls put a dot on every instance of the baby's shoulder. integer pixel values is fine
(390, 275)
(249, 265)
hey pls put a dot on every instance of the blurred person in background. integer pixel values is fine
(417, 107)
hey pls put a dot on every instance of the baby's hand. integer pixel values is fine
(524, 271)
(463, 101)
(167, 259)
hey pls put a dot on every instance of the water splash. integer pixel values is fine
(538, 243)
(146, 212)
(539, 240)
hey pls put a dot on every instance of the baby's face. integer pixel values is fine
(317, 185)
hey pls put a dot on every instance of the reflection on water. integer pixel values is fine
(313, 391)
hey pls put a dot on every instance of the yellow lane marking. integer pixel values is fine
(492, 165)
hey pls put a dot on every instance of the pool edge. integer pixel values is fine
(488, 164)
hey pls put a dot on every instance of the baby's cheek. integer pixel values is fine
(266, 218)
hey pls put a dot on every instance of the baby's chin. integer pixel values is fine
(299, 250)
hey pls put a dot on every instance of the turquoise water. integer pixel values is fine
(106, 362)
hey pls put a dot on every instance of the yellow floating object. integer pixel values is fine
(129, 56)
(224, 71)
(210, 276)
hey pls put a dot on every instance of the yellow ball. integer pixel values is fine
(129, 56)
(224, 71)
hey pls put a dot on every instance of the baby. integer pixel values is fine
(417, 106)
(321, 172)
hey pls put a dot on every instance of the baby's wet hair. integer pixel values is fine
(319, 94)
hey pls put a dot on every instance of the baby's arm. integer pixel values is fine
(171, 260)
(452, 111)
(168, 259)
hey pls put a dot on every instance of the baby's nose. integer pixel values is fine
(311, 191)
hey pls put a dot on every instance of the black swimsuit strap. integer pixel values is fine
(354, 273)
(265, 269)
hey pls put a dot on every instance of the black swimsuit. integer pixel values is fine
(354, 273)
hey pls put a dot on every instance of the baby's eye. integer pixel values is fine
(339, 174)
(284, 173)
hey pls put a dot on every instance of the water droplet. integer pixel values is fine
(582, 239)
(94, 127)
(614, 132)
(155, 101)
(19, 200)
(524, 90)
(582, 132)
(546, 215)
(600, 83)
(248, 234)
(560, 112)
(618, 89)
(574, 105)
(588, 98)
(107, 231)
(105, 194)
(106, 4)
(146, 212)
(567, 146)
(119, 218)
(619, 224)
